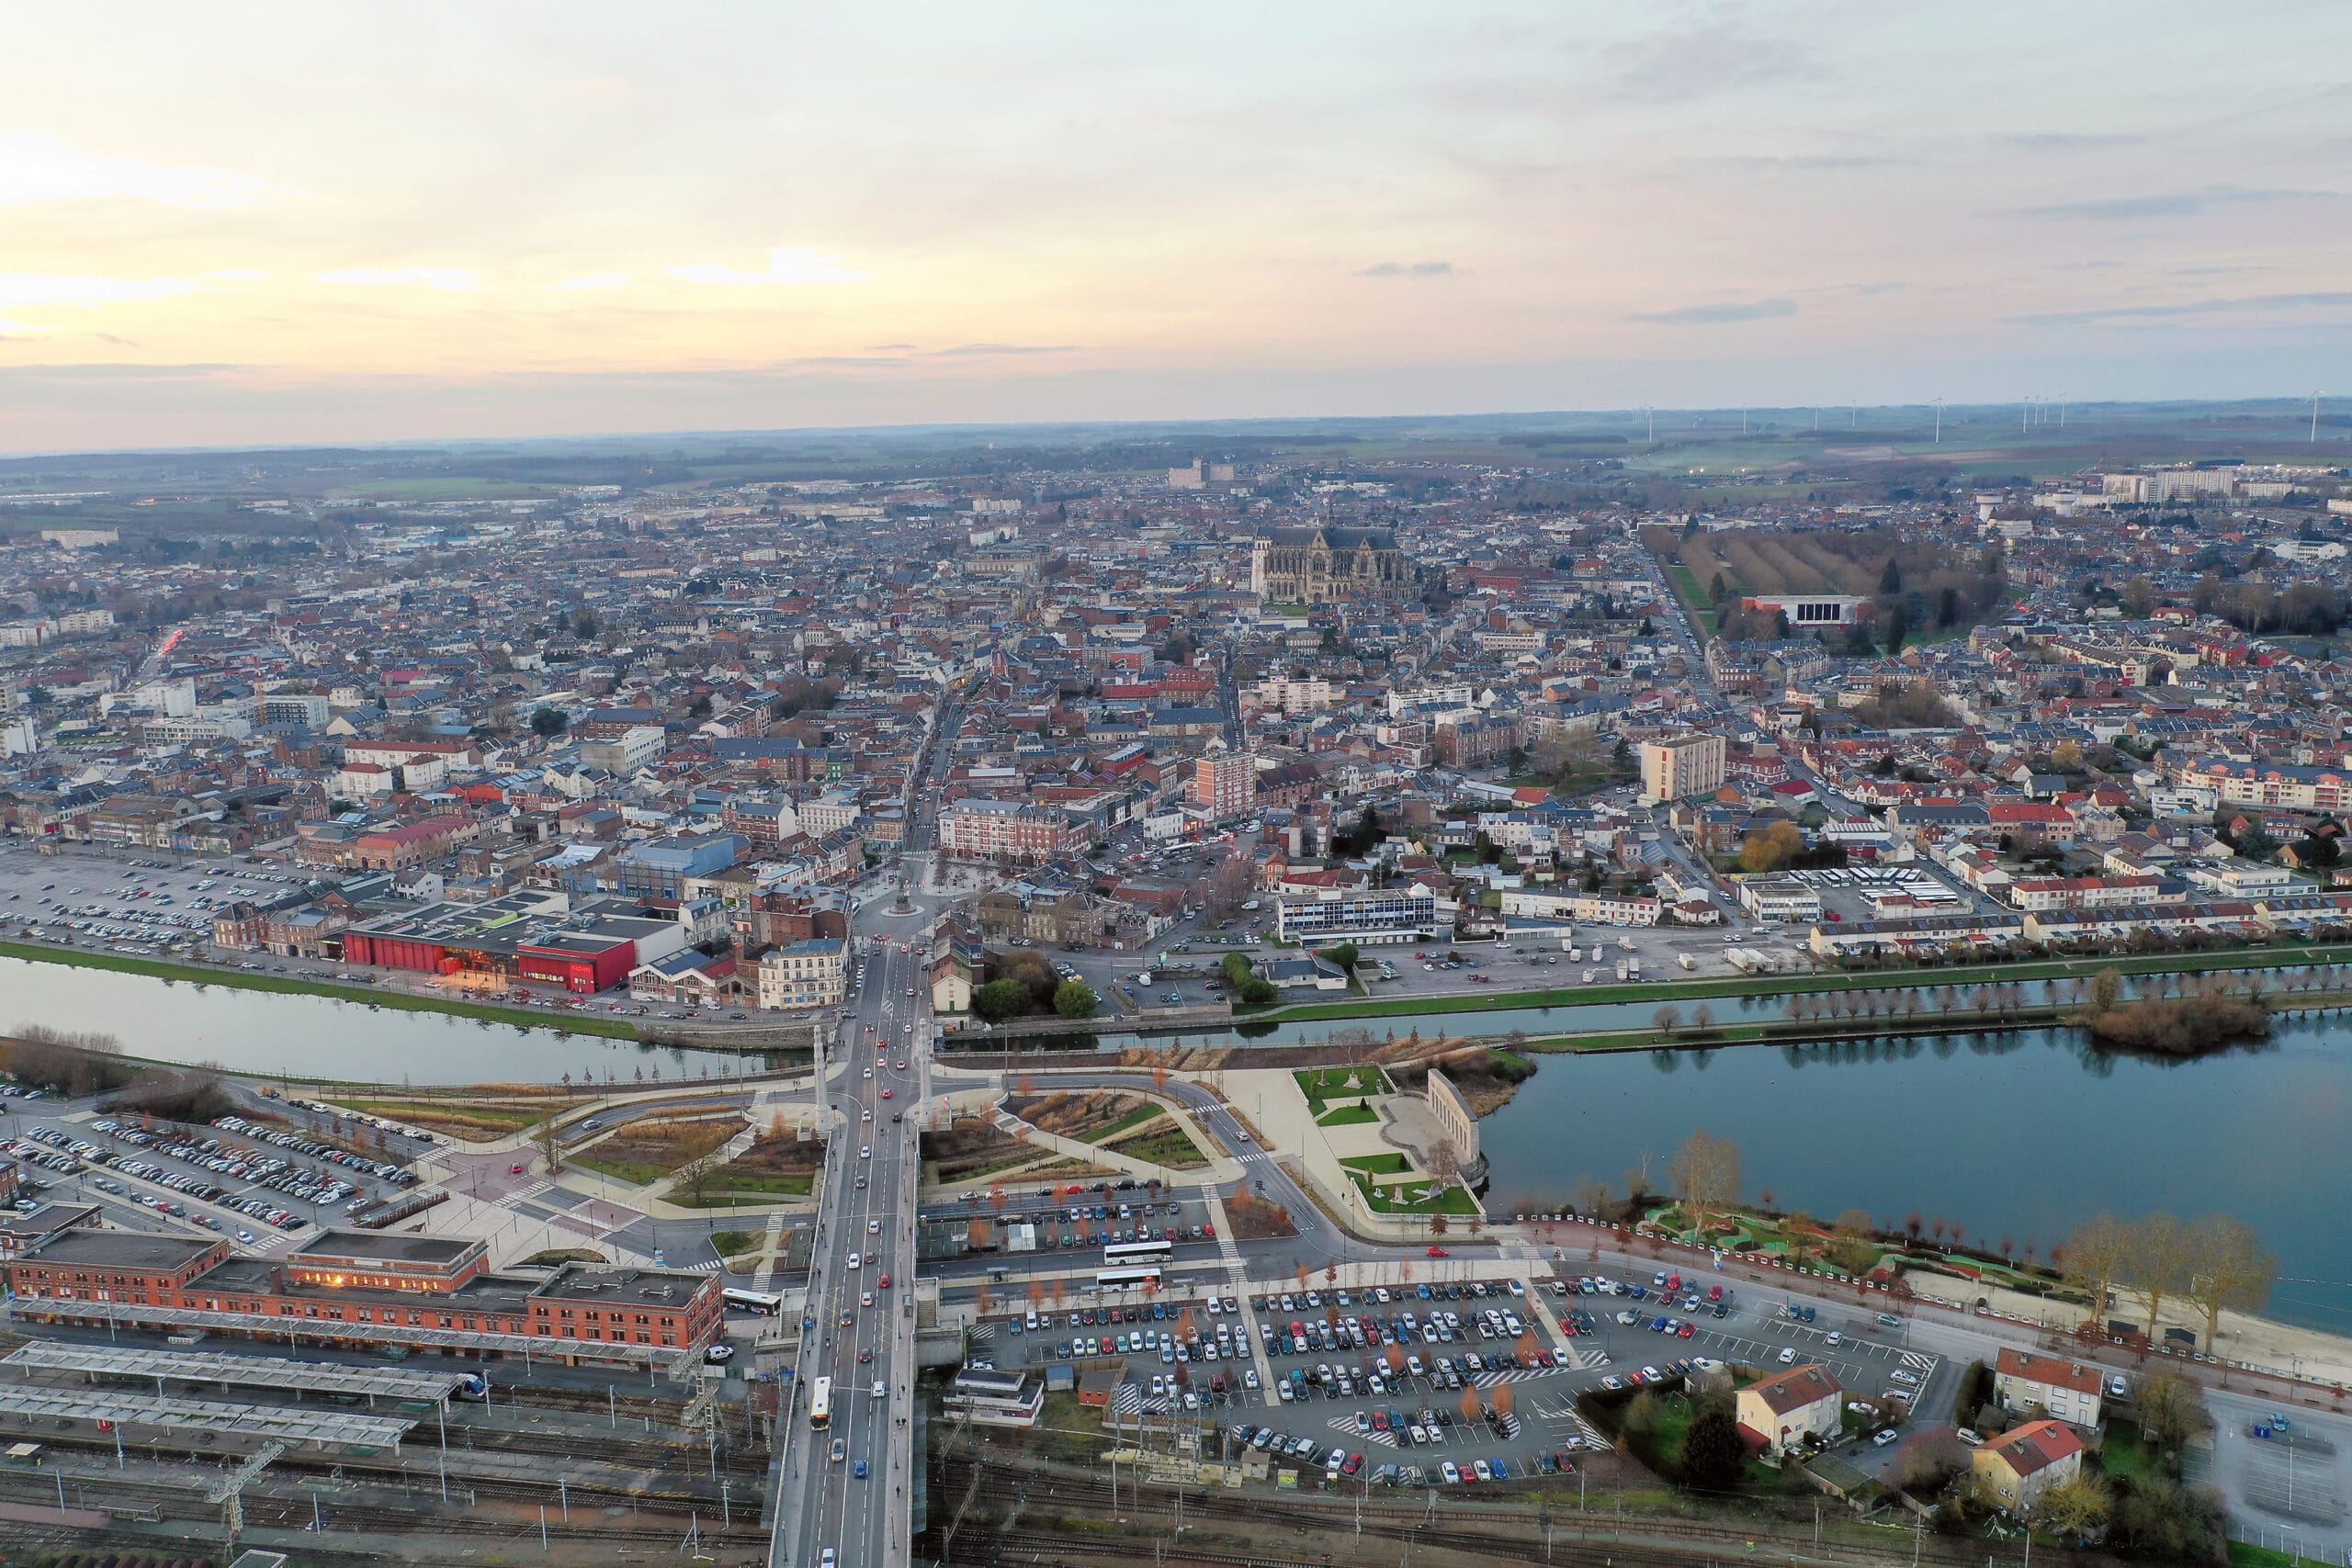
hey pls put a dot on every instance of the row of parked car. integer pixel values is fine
(251, 1165)
(389, 1170)
(176, 1180)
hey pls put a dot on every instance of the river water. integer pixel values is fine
(2023, 1135)
(269, 1032)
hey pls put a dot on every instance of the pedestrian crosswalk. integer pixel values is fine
(1507, 1374)
(522, 1194)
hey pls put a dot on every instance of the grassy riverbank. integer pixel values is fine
(1815, 1031)
(1822, 982)
(205, 975)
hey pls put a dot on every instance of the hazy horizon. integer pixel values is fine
(292, 225)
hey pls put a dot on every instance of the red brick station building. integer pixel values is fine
(372, 1288)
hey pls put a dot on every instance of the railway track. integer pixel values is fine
(277, 1507)
(667, 1491)
(1478, 1529)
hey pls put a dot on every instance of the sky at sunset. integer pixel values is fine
(318, 223)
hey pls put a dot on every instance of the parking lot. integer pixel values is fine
(132, 901)
(2289, 1483)
(262, 1183)
(1860, 892)
(1387, 1376)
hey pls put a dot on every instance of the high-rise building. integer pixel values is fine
(1224, 784)
(1683, 766)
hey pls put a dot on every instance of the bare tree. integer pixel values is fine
(1589, 1196)
(1703, 1019)
(549, 1136)
(2096, 1253)
(1667, 1020)
(2228, 1268)
(2157, 1264)
(699, 1175)
(1705, 1175)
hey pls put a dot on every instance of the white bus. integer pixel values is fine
(820, 1403)
(1123, 1252)
(761, 1301)
(1127, 1279)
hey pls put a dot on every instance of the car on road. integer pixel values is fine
(720, 1355)
(861, 1470)
(840, 1451)
(516, 1169)
(1439, 1252)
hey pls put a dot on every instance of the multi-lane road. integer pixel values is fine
(858, 1325)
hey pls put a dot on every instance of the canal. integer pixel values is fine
(271, 1031)
(2022, 1135)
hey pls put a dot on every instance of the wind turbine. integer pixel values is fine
(1939, 404)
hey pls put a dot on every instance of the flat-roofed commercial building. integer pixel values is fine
(366, 1288)
(1362, 915)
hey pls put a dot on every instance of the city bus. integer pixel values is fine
(820, 1403)
(1123, 1252)
(1131, 1279)
(761, 1301)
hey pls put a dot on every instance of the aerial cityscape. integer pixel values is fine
(1350, 885)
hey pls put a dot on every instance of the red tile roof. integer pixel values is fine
(2048, 1370)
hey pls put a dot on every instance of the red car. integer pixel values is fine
(886, 1094)
(886, 1282)
(516, 1169)
(1439, 1252)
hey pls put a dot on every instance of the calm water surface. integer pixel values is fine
(269, 1032)
(2022, 1134)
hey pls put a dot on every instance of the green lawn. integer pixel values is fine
(1694, 603)
(2125, 1453)
(2245, 1554)
(1128, 1123)
(203, 974)
(1166, 1145)
(636, 1172)
(1378, 1165)
(756, 1189)
(1339, 1083)
(1390, 1200)
(1354, 1115)
(731, 1243)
